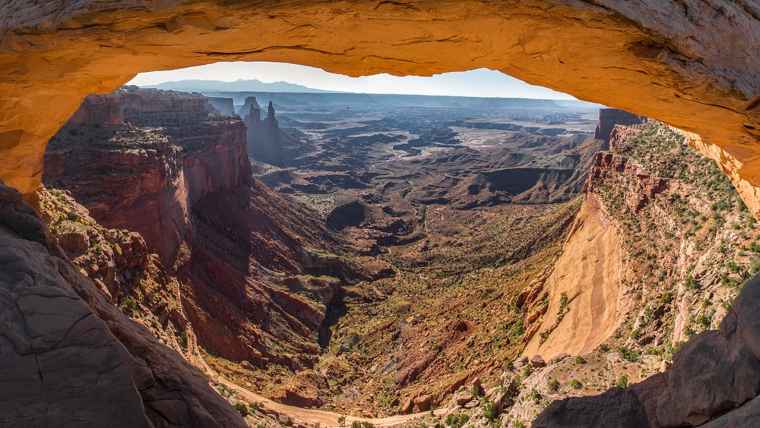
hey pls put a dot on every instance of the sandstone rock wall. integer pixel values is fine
(661, 59)
(133, 176)
(71, 359)
(235, 246)
(700, 388)
(687, 252)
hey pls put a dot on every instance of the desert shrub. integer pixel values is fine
(754, 265)
(361, 424)
(622, 382)
(477, 390)
(515, 330)
(705, 320)
(183, 339)
(580, 360)
(242, 409)
(576, 384)
(535, 396)
(563, 302)
(526, 371)
(691, 283)
(490, 411)
(629, 354)
(129, 305)
(456, 420)
(553, 385)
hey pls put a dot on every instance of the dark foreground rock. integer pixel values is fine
(714, 382)
(68, 358)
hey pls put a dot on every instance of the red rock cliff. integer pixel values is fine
(639, 185)
(181, 178)
(138, 159)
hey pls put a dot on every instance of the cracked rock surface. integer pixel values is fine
(70, 359)
(714, 382)
(690, 63)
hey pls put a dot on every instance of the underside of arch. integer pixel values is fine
(691, 64)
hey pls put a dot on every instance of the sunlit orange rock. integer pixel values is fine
(696, 68)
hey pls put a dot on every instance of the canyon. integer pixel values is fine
(154, 282)
(492, 261)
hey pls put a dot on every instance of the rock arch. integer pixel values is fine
(693, 64)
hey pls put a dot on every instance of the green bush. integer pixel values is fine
(242, 409)
(622, 382)
(535, 396)
(629, 354)
(691, 283)
(129, 305)
(490, 411)
(477, 390)
(515, 330)
(575, 384)
(553, 385)
(526, 371)
(456, 420)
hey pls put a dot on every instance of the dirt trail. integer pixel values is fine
(589, 272)
(322, 417)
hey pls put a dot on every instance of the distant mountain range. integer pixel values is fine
(241, 85)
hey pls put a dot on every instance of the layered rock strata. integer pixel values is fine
(254, 272)
(70, 358)
(689, 246)
(139, 159)
(644, 57)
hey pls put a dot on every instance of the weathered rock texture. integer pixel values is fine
(255, 272)
(661, 59)
(687, 245)
(714, 377)
(70, 358)
(133, 175)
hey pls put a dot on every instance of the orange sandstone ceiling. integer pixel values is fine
(692, 63)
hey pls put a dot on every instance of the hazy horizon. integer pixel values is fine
(474, 83)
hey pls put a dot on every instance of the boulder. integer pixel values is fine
(463, 397)
(423, 402)
(74, 243)
(537, 361)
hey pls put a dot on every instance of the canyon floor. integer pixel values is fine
(399, 260)
(466, 211)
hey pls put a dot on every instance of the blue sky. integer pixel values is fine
(475, 83)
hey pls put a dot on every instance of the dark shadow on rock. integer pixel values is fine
(714, 381)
